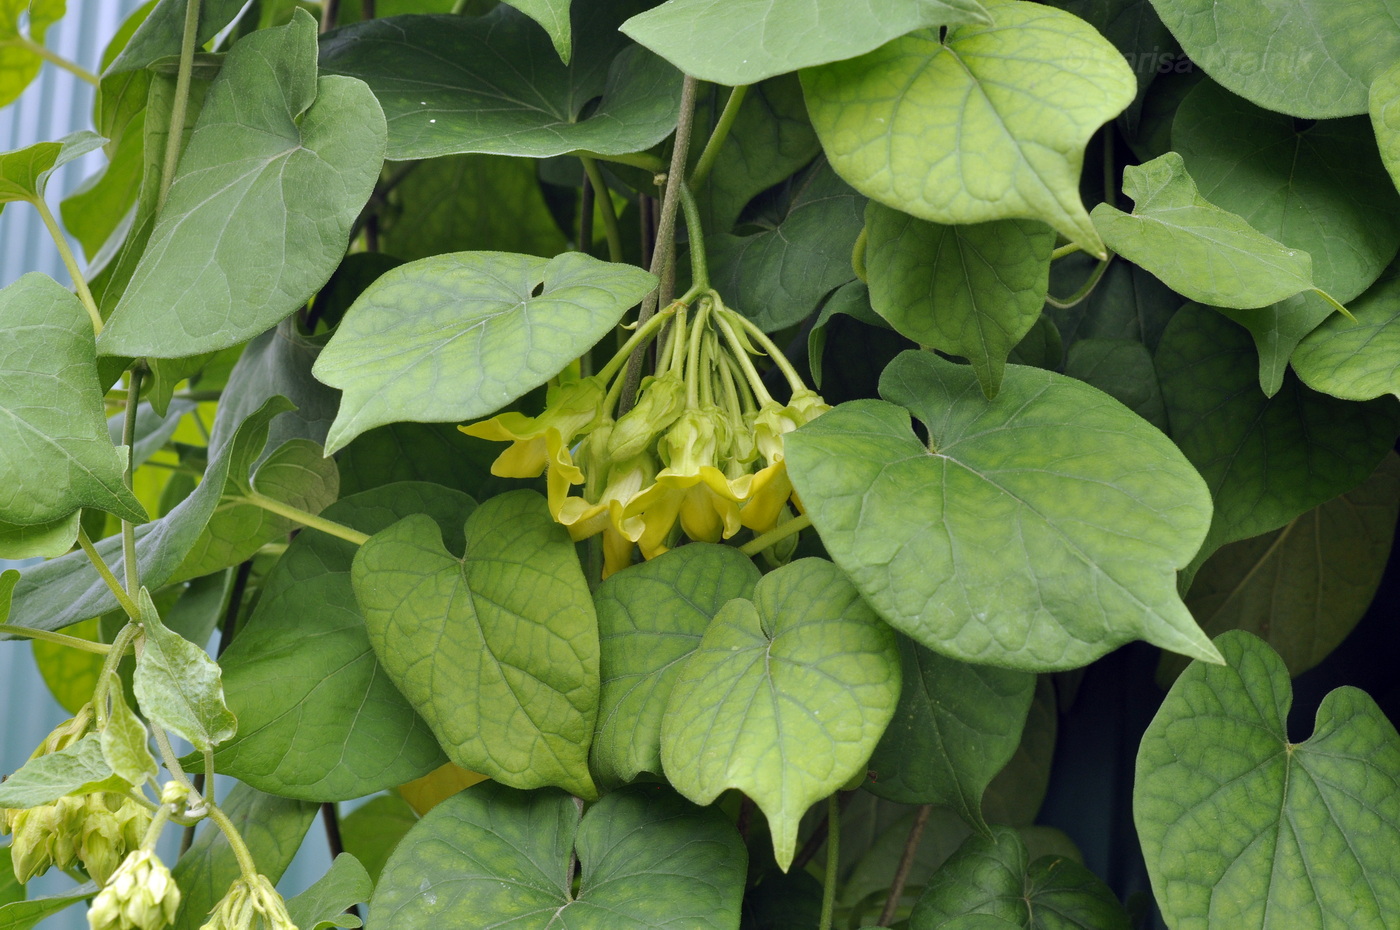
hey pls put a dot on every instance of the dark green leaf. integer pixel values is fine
(76, 769)
(1017, 792)
(1278, 329)
(371, 831)
(22, 915)
(178, 686)
(435, 452)
(1357, 359)
(1128, 303)
(324, 904)
(1124, 371)
(159, 35)
(850, 299)
(11, 890)
(553, 15)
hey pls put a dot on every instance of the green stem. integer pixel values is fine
(692, 363)
(741, 355)
(833, 861)
(640, 336)
(62, 639)
(48, 55)
(181, 102)
(172, 762)
(246, 865)
(858, 255)
(69, 262)
(129, 563)
(1064, 250)
(1336, 305)
(721, 132)
(1088, 288)
(699, 265)
(108, 674)
(794, 380)
(127, 603)
(158, 822)
(776, 535)
(603, 198)
(643, 160)
(305, 518)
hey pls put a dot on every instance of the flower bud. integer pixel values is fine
(773, 421)
(141, 895)
(662, 401)
(250, 905)
(113, 826)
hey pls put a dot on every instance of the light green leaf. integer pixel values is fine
(945, 129)
(22, 915)
(78, 768)
(1196, 248)
(295, 738)
(160, 34)
(745, 41)
(57, 454)
(44, 540)
(956, 727)
(650, 618)
(497, 651)
(1242, 827)
(24, 173)
(1309, 58)
(1038, 530)
(784, 699)
(778, 276)
(71, 674)
(124, 741)
(1357, 359)
(178, 686)
(1266, 460)
(1384, 99)
(274, 174)
(499, 323)
(324, 904)
(553, 15)
(273, 828)
(371, 831)
(467, 91)
(1123, 370)
(19, 65)
(990, 882)
(973, 291)
(494, 856)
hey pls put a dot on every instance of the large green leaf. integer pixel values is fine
(745, 41)
(160, 34)
(991, 882)
(178, 686)
(275, 172)
(1128, 303)
(494, 856)
(1278, 329)
(553, 15)
(295, 738)
(946, 130)
(956, 727)
(371, 831)
(494, 84)
(650, 618)
(58, 457)
(455, 337)
(1321, 188)
(973, 291)
(277, 362)
(1385, 118)
(1018, 791)
(784, 699)
(1038, 530)
(498, 650)
(1196, 248)
(436, 452)
(43, 540)
(1357, 359)
(1123, 370)
(778, 276)
(22, 915)
(1310, 58)
(1265, 459)
(20, 65)
(1242, 827)
(324, 904)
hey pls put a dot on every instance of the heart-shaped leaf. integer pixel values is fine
(494, 856)
(784, 699)
(942, 128)
(467, 91)
(745, 41)
(956, 726)
(498, 651)
(1196, 248)
(58, 457)
(650, 618)
(1038, 530)
(973, 291)
(295, 738)
(324, 904)
(178, 686)
(258, 216)
(455, 337)
(1357, 359)
(1123, 370)
(20, 65)
(1240, 825)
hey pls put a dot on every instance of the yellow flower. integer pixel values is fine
(620, 533)
(570, 409)
(773, 421)
(769, 494)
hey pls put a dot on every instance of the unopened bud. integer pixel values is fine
(141, 895)
(250, 905)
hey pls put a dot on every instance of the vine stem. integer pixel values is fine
(833, 861)
(1064, 250)
(108, 673)
(1078, 296)
(70, 262)
(720, 133)
(794, 380)
(181, 102)
(643, 160)
(62, 639)
(776, 535)
(603, 197)
(128, 605)
(129, 564)
(72, 67)
(699, 263)
(330, 527)
(906, 862)
(246, 865)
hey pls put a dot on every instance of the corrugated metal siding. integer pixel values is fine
(53, 106)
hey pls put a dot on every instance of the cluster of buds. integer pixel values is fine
(141, 895)
(700, 451)
(251, 904)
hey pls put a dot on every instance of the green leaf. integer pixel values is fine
(324, 904)
(494, 856)
(1015, 795)
(1265, 459)
(1309, 58)
(851, 299)
(784, 699)
(71, 674)
(778, 276)
(277, 362)
(295, 738)
(553, 15)
(371, 831)
(745, 41)
(24, 173)
(1303, 587)
(11, 889)
(503, 323)
(943, 129)
(160, 34)
(1322, 188)
(466, 202)
(1129, 303)
(956, 727)
(153, 429)
(273, 828)
(973, 291)
(57, 454)
(436, 452)
(467, 91)
(1123, 370)
(22, 915)
(19, 65)
(650, 618)
(78, 768)
(1020, 535)
(276, 171)
(44, 540)
(124, 741)
(1385, 118)
(1196, 248)
(497, 651)
(1240, 826)
(991, 882)
(1278, 329)
(178, 686)
(1357, 359)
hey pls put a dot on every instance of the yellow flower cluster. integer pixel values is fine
(699, 452)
